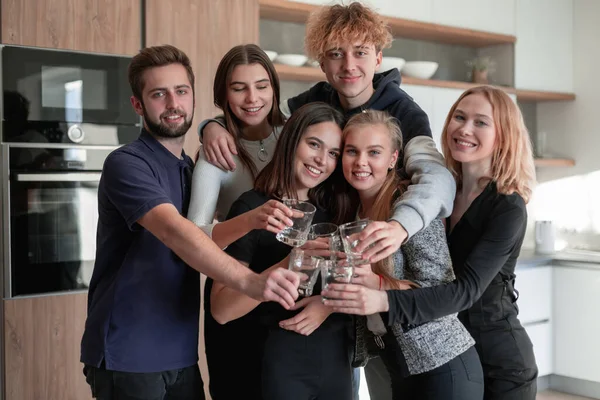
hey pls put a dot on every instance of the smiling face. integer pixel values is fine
(368, 155)
(471, 133)
(250, 94)
(316, 155)
(350, 69)
(167, 103)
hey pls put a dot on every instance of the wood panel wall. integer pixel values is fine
(103, 26)
(42, 338)
(205, 30)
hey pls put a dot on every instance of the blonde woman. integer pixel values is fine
(488, 149)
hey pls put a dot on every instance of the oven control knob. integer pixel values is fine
(76, 134)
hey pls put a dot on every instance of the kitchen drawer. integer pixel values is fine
(541, 337)
(535, 294)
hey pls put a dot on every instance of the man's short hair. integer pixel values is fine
(156, 56)
(332, 26)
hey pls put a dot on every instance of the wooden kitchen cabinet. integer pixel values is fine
(205, 30)
(102, 26)
(42, 342)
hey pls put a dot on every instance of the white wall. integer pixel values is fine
(571, 196)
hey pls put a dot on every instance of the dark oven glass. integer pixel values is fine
(53, 218)
(65, 89)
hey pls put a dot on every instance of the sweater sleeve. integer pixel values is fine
(498, 241)
(431, 192)
(427, 256)
(206, 187)
(219, 119)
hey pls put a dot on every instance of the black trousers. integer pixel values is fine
(179, 384)
(508, 363)
(459, 379)
(314, 367)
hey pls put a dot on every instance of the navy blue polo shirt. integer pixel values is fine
(144, 301)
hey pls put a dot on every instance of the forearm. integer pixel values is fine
(227, 304)
(195, 248)
(428, 303)
(226, 232)
(431, 192)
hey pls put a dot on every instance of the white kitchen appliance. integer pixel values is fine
(544, 237)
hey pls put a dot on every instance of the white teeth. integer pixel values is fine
(465, 143)
(313, 170)
(252, 109)
(362, 174)
(173, 117)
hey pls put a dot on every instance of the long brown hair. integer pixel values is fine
(245, 54)
(513, 168)
(278, 178)
(393, 186)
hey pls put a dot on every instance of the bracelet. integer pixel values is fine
(380, 281)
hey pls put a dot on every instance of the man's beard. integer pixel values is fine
(164, 131)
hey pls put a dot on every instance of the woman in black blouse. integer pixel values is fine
(488, 150)
(270, 352)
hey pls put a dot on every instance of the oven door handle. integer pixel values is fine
(60, 177)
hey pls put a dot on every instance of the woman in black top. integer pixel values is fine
(294, 362)
(488, 150)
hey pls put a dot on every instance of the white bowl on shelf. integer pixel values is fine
(271, 54)
(388, 63)
(313, 63)
(420, 69)
(293, 60)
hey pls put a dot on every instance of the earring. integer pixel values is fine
(389, 169)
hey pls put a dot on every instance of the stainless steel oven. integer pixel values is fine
(50, 216)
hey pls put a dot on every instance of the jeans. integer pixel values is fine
(179, 384)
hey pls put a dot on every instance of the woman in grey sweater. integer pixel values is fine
(435, 360)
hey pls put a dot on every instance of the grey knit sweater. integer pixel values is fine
(425, 260)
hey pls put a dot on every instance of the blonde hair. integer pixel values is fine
(513, 168)
(331, 26)
(392, 187)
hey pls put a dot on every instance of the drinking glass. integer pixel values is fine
(297, 234)
(308, 269)
(349, 234)
(322, 229)
(335, 271)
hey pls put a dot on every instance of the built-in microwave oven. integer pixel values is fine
(57, 96)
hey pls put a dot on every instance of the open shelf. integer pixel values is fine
(289, 11)
(554, 162)
(537, 96)
(311, 74)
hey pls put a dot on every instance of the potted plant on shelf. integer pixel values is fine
(481, 67)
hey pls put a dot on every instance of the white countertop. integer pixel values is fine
(575, 258)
